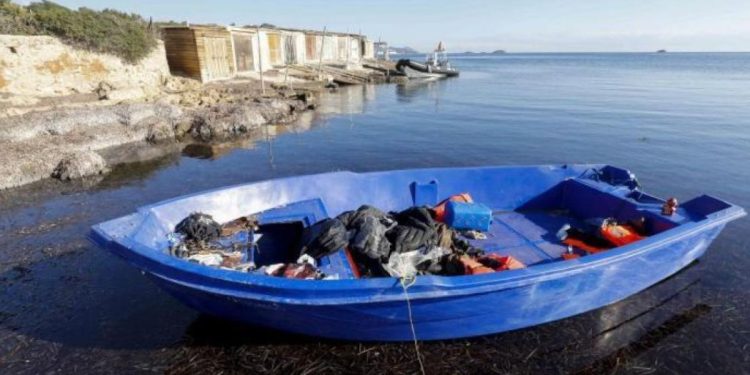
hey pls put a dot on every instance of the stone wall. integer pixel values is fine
(34, 68)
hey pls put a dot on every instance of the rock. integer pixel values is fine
(132, 93)
(279, 110)
(306, 96)
(79, 165)
(135, 114)
(182, 126)
(159, 129)
(225, 121)
(174, 84)
(103, 89)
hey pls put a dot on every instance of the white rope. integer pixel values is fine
(405, 284)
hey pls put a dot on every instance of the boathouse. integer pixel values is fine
(204, 53)
(208, 53)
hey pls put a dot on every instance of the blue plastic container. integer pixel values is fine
(468, 216)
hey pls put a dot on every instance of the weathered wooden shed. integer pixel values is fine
(209, 53)
(200, 52)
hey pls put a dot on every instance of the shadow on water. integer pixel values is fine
(84, 298)
(590, 343)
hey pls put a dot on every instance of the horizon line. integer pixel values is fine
(520, 52)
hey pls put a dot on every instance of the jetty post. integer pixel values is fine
(260, 61)
(320, 58)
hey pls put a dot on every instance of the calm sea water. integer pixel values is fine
(681, 122)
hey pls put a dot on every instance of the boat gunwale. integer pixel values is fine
(233, 283)
(457, 287)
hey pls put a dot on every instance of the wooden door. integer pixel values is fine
(274, 48)
(290, 50)
(217, 58)
(354, 47)
(343, 48)
(243, 52)
(311, 48)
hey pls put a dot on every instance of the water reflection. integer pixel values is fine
(139, 161)
(346, 100)
(131, 162)
(419, 88)
(219, 149)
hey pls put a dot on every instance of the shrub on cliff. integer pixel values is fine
(15, 19)
(125, 35)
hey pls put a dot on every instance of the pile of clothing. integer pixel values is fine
(199, 238)
(415, 241)
(401, 244)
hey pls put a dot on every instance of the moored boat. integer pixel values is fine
(529, 206)
(435, 66)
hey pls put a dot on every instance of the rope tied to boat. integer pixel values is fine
(406, 282)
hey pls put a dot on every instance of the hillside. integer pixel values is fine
(127, 36)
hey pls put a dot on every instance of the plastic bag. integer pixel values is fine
(409, 264)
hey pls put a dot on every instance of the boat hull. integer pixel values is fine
(377, 309)
(416, 70)
(448, 317)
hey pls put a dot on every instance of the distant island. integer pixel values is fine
(402, 51)
(661, 51)
(495, 52)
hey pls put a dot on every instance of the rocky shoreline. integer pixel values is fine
(70, 142)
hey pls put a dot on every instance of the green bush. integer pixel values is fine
(15, 19)
(128, 36)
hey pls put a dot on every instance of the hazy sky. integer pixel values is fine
(514, 25)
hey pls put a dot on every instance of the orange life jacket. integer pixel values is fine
(440, 208)
(578, 244)
(619, 235)
(472, 267)
(505, 262)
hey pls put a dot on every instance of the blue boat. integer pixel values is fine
(529, 203)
